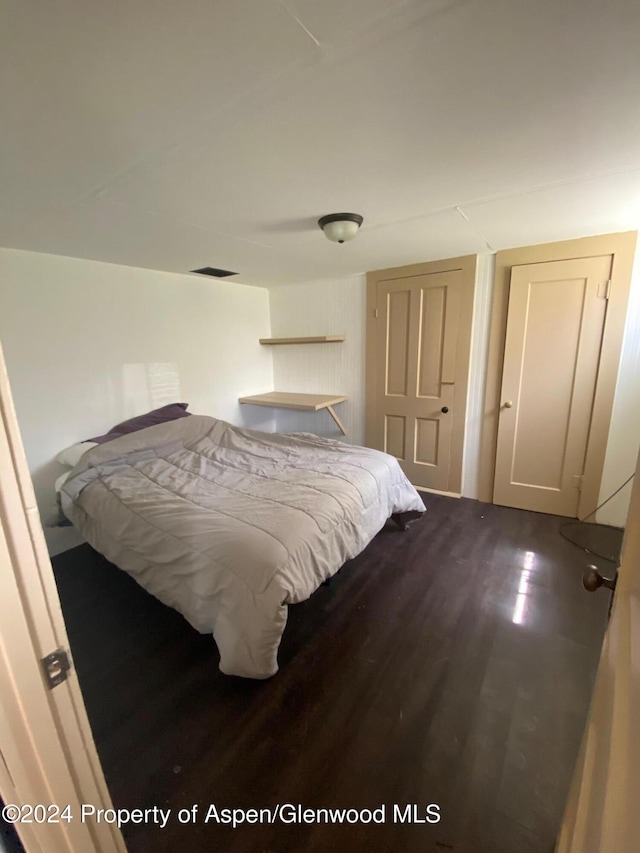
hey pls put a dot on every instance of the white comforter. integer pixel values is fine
(228, 526)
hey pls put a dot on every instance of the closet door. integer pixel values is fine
(419, 362)
(552, 351)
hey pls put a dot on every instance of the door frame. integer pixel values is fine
(467, 265)
(621, 247)
(47, 752)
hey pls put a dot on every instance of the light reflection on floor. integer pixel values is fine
(523, 588)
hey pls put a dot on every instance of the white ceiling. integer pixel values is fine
(175, 135)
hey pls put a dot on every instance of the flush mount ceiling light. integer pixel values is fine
(339, 227)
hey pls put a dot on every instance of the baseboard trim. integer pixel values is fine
(438, 492)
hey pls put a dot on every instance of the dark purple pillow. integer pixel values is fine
(158, 416)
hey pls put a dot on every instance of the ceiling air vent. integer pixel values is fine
(214, 272)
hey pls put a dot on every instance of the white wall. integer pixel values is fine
(477, 373)
(624, 433)
(89, 344)
(327, 307)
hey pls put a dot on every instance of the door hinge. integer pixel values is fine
(375, 313)
(604, 289)
(56, 667)
(579, 478)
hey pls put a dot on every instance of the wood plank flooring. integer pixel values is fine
(406, 680)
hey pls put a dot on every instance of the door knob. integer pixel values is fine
(508, 404)
(593, 580)
(444, 410)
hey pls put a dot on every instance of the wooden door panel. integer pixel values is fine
(452, 330)
(398, 313)
(432, 319)
(427, 441)
(546, 381)
(395, 432)
(552, 347)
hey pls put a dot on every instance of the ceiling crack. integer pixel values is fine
(477, 230)
(284, 6)
(562, 182)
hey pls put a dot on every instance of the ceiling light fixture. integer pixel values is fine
(339, 227)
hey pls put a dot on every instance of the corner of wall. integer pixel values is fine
(327, 306)
(485, 271)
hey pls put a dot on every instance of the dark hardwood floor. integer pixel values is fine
(452, 664)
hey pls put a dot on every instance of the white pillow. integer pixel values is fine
(71, 455)
(62, 479)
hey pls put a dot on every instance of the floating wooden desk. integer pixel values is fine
(302, 402)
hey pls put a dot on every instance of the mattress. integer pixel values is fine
(229, 526)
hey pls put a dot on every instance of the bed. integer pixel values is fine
(229, 526)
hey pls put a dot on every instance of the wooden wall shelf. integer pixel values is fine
(323, 339)
(302, 402)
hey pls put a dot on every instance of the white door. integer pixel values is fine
(552, 349)
(47, 750)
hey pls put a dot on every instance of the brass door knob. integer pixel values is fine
(508, 404)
